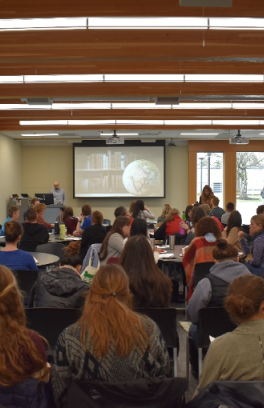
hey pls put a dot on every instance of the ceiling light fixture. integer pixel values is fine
(39, 134)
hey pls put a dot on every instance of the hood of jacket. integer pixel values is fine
(32, 228)
(229, 270)
(62, 282)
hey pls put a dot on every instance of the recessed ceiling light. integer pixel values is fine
(119, 134)
(199, 134)
(43, 23)
(39, 134)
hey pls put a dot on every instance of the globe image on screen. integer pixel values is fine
(141, 177)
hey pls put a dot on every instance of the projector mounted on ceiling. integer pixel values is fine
(171, 143)
(239, 139)
(115, 139)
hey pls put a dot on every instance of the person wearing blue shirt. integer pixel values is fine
(10, 255)
(84, 220)
(13, 215)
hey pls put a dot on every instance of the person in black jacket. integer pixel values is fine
(94, 234)
(62, 287)
(32, 230)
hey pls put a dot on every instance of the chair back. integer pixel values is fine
(49, 322)
(54, 248)
(166, 319)
(213, 321)
(112, 260)
(201, 270)
(26, 280)
(245, 228)
(29, 246)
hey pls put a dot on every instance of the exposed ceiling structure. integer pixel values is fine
(149, 72)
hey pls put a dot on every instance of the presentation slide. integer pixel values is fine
(119, 171)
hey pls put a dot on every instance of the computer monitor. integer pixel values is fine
(44, 198)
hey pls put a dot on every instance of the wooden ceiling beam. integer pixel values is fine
(78, 8)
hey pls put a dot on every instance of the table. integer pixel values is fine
(66, 240)
(44, 259)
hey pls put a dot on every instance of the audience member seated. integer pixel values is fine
(212, 290)
(238, 355)
(256, 228)
(164, 214)
(84, 220)
(208, 212)
(233, 227)
(121, 211)
(201, 248)
(110, 342)
(34, 201)
(13, 215)
(93, 234)
(206, 196)
(113, 243)
(260, 210)
(196, 215)
(142, 211)
(10, 255)
(216, 210)
(23, 360)
(188, 213)
(229, 208)
(170, 226)
(62, 287)
(32, 231)
(69, 220)
(41, 208)
(131, 207)
(149, 285)
(140, 227)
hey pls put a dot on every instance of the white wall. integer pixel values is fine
(10, 172)
(42, 165)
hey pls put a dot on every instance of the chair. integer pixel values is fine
(213, 321)
(112, 260)
(49, 322)
(245, 228)
(166, 319)
(26, 280)
(201, 270)
(141, 393)
(29, 246)
(54, 248)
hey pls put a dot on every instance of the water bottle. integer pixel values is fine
(183, 216)
(56, 228)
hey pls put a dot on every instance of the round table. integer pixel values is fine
(44, 259)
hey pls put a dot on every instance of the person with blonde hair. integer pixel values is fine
(41, 208)
(165, 212)
(170, 226)
(23, 360)
(110, 341)
(10, 255)
(238, 356)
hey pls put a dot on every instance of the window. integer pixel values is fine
(210, 172)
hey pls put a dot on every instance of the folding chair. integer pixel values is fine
(54, 248)
(49, 322)
(201, 270)
(166, 319)
(213, 321)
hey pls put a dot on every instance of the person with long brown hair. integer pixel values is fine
(69, 220)
(150, 287)
(234, 225)
(62, 287)
(23, 360)
(110, 341)
(238, 355)
(113, 243)
(93, 234)
(165, 211)
(206, 196)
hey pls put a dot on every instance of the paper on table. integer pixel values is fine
(211, 339)
(72, 239)
(166, 256)
(163, 246)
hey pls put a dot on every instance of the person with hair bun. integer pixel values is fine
(62, 287)
(10, 255)
(256, 230)
(238, 356)
(211, 290)
(110, 342)
(23, 359)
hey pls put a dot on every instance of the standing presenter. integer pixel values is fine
(58, 194)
